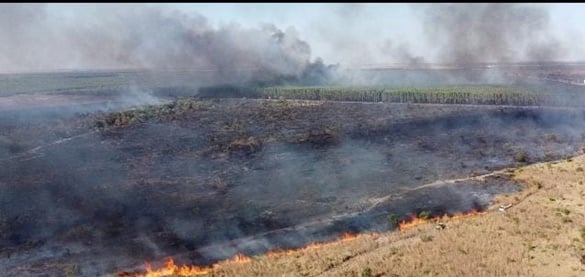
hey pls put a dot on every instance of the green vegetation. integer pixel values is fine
(393, 219)
(97, 83)
(480, 95)
(551, 199)
(521, 156)
(367, 272)
(424, 215)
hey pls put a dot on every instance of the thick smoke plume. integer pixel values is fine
(34, 39)
(477, 33)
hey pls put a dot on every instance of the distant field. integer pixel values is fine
(391, 86)
(102, 83)
(477, 95)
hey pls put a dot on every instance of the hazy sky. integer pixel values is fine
(329, 27)
(85, 35)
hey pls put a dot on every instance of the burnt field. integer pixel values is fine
(204, 179)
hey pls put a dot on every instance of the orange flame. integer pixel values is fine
(171, 269)
(313, 245)
(416, 221)
(240, 258)
(348, 236)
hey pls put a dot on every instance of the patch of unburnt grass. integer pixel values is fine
(151, 113)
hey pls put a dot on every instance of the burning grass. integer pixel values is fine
(527, 239)
(172, 269)
(418, 220)
(261, 177)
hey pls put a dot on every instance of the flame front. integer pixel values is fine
(348, 236)
(416, 221)
(313, 245)
(240, 258)
(172, 269)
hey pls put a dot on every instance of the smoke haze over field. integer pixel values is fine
(475, 33)
(46, 37)
(209, 177)
(147, 37)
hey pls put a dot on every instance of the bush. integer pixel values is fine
(521, 157)
(424, 215)
(367, 272)
(393, 219)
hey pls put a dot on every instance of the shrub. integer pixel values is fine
(551, 199)
(367, 272)
(521, 156)
(424, 215)
(393, 219)
(538, 185)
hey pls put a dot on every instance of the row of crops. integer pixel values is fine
(477, 95)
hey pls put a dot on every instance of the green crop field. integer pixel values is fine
(99, 83)
(477, 95)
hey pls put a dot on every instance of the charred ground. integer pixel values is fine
(204, 179)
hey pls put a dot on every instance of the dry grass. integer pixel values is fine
(541, 234)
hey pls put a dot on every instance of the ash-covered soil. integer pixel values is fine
(217, 177)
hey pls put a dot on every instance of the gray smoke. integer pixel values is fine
(121, 36)
(475, 33)
(401, 53)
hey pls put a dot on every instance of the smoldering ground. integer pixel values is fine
(110, 199)
(196, 183)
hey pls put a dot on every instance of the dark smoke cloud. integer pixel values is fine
(475, 33)
(123, 36)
